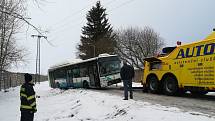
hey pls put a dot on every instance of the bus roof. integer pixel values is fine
(78, 61)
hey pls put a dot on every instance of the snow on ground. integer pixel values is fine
(88, 105)
(211, 93)
(134, 84)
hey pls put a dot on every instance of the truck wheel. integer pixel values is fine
(170, 85)
(153, 84)
(85, 85)
(144, 89)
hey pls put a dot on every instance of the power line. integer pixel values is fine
(21, 17)
(66, 28)
(71, 15)
(54, 38)
(111, 2)
(78, 12)
(62, 29)
(76, 19)
(121, 5)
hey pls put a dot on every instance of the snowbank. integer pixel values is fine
(82, 105)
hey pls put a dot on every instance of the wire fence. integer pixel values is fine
(10, 79)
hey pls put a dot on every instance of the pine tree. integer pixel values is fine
(97, 36)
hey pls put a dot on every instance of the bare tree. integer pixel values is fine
(135, 44)
(9, 26)
(21, 16)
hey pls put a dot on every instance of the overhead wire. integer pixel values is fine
(62, 29)
(79, 11)
(54, 38)
(77, 19)
(121, 5)
(56, 24)
(65, 24)
(70, 26)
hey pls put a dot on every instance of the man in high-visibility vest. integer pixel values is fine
(28, 100)
(127, 73)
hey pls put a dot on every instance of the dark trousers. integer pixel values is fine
(128, 87)
(27, 116)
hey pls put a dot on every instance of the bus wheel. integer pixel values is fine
(199, 92)
(57, 85)
(153, 84)
(170, 85)
(85, 85)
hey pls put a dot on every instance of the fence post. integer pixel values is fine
(4, 80)
(0, 80)
(10, 82)
(7, 80)
(17, 79)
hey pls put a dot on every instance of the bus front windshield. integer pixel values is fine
(109, 67)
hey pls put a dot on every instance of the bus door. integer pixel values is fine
(93, 75)
(69, 78)
(97, 79)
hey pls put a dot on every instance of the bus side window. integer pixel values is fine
(76, 72)
(103, 70)
(83, 72)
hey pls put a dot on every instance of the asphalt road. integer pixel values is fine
(187, 103)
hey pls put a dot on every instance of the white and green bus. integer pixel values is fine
(95, 72)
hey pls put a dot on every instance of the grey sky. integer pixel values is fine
(184, 20)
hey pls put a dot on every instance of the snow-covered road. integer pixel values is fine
(82, 105)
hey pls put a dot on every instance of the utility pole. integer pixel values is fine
(37, 74)
(94, 50)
